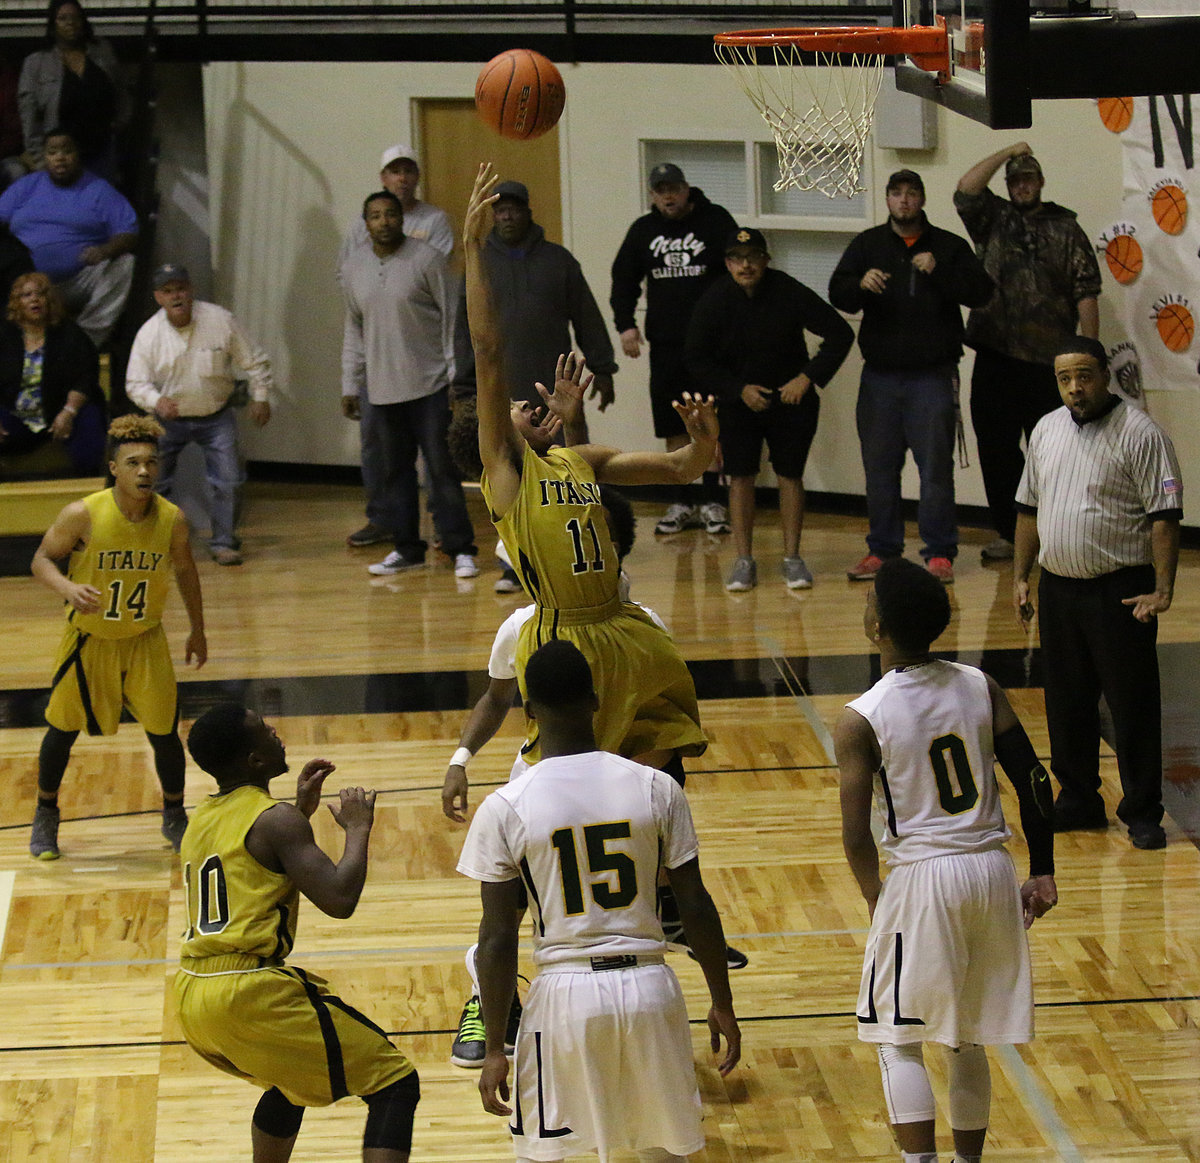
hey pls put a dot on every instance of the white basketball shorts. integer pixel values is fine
(604, 1063)
(947, 959)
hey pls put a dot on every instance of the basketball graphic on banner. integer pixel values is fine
(1124, 257)
(1175, 324)
(1116, 113)
(1169, 205)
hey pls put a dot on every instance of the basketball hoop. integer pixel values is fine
(819, 110)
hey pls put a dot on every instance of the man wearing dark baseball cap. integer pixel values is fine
(910, 280)
(745, 345)
(1047, 280)
(677, 251)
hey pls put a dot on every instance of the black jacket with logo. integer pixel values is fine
(678, 261)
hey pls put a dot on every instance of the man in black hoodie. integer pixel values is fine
(678, 250)
(908, 279)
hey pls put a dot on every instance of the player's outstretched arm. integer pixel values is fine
(565, 402)
(684, 465)
(282, 839)
(496, 964)
(71, 529)
(702, 923)
(858, 759)
(497, 438)
(188, 581)
(486, 719)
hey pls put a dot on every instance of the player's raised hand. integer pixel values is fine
(721, 1022)
(356, 809)
(308, 784)
(1039, 894)
(566, 401)
(493, 1084)
(478, 222)
(454, 793)
(699, 416)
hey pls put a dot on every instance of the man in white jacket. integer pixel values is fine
(183, 367)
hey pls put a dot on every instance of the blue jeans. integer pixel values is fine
(404, 429)
(898, 411)
(381, 506)
(216, 436)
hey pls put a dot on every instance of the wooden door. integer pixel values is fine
(453, 141)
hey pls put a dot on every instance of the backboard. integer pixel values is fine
(1005, 54)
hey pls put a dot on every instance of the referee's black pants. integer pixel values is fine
(1093, 645)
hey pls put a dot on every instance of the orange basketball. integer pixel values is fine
(1175, 326)
(1116, 113)
(1124, 257)
(1170, 209)
(520, 94)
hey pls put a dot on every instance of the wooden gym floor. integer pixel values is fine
(377, 674)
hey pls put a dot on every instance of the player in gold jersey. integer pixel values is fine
(545, 503)
(246, 859)
(124, 543)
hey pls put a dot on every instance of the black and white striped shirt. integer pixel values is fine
(1096, 486)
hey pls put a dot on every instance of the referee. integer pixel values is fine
(1099, 507)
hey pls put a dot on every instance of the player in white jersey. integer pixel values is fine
(947, 959)
(604, 1056)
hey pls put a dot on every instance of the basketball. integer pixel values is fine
(1170, 208)
(1115, 112)
(1124, 257)
(1175, 326)
(520, 94)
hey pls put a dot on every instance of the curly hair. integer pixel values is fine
(55, 311)
(463, 438)
(912, 604)
(133, 428)
(219, 738)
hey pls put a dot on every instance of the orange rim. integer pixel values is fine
(929, 48)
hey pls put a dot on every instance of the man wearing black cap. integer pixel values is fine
(182, 368)
(678, 250)
(908, 279)
(1047, 280)
(541, 297)
(745, 345)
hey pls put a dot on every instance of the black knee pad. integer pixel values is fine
(277, 1117)
(390, 1114)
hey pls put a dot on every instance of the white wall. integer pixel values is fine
(294, 147)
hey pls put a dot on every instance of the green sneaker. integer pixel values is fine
(469, 1046)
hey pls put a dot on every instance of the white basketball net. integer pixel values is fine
(819, 113)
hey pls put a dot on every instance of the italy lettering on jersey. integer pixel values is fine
(556, 534)
(586, 834)
(234, 905)
(129, 562)
(935, 791)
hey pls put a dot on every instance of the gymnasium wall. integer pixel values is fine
(293, 147)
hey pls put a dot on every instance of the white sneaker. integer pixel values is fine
(465, 566)
(393, 563)
(715, 518)
(678, 518)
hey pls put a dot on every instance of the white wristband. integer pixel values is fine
(461, 757)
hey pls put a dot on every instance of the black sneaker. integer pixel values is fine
(677, 941)
(1068, 817)
(43, 842)
(1147, 836)
(368, 535)
(469, 1046)
(174, 824)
